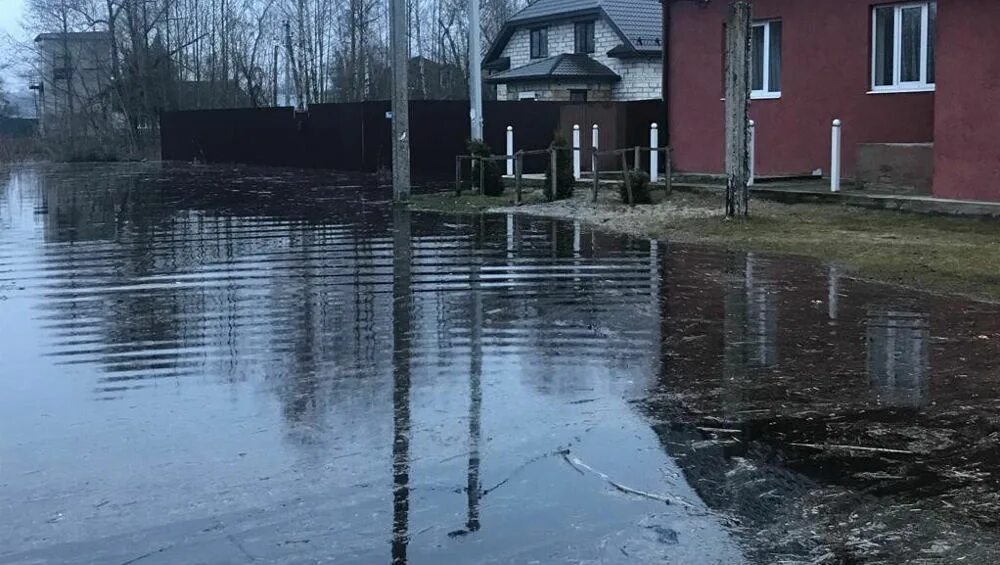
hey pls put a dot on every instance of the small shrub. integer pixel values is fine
(564, 171)
(492, 176)
(640, 187)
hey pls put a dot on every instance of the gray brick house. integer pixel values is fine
(582, 50)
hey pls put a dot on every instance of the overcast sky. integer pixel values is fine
(10, 16)
(11, 12)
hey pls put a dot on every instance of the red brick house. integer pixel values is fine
(916, 84)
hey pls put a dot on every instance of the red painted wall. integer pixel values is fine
(967, 110)
(826, 74)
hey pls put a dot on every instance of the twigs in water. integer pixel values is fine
(580, 466)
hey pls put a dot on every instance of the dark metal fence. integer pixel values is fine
(356, 136)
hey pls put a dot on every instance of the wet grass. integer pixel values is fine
(469, 203)
(944, 254)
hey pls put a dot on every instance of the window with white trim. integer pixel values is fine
(765, 60)
(903, 37)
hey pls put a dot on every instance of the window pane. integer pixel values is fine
(544, 48)
(757, 58)
(910, 44)
(774, 73)
(885, 29)
(931, 39)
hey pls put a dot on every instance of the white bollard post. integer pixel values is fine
(510, 151)
(753, 152)
(576, 151)
(835, 142)
(654, 154)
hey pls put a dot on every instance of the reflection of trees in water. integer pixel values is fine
(898, 357)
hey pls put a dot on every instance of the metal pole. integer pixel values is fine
(753, 152)
(654, 153)
(576, 151)
(400, 46)
(835, 146)
(475, 71)
(510, 150)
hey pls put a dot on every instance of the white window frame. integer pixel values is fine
(897, 49)
(765, 93)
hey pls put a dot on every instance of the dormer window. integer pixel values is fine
(539, 43)
(584, 34)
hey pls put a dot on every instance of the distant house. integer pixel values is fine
(75, 78)
(579, 50)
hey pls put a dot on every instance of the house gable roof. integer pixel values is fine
(637, 22)
(567, 66)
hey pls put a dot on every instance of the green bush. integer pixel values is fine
(492, 176)
(640, 187)
(564, 171)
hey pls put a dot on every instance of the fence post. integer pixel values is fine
(593, 167)
(668, 169)
(458, 175)
(636, 158)
(835, 143)
(510, 150)
(628, 181)
(482, 177)
(576, 151)
(518, 171)
(654, 153)
(554, 173)
(596, 137)
(752, 157)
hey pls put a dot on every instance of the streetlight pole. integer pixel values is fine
(475, 71)
(399, 44)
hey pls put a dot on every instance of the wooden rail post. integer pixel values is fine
(518, 170)
(458, 175)
(737, 108)
(593, 167)
(628, 181)
(668, 170)
(553, 169)
(482, 177)
(637, 158)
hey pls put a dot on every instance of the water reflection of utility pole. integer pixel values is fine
(475, 399)
(898, 357)
(401, 289)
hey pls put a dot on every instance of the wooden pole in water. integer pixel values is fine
(400, 47)
(737, 109)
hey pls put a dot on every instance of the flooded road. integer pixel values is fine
(203, 365)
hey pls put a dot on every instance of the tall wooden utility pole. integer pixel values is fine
(399, 44)
(475, 71)
(738, 109)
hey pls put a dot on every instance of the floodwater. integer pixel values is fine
(206, 365)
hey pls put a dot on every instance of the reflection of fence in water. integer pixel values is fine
(898, 357)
